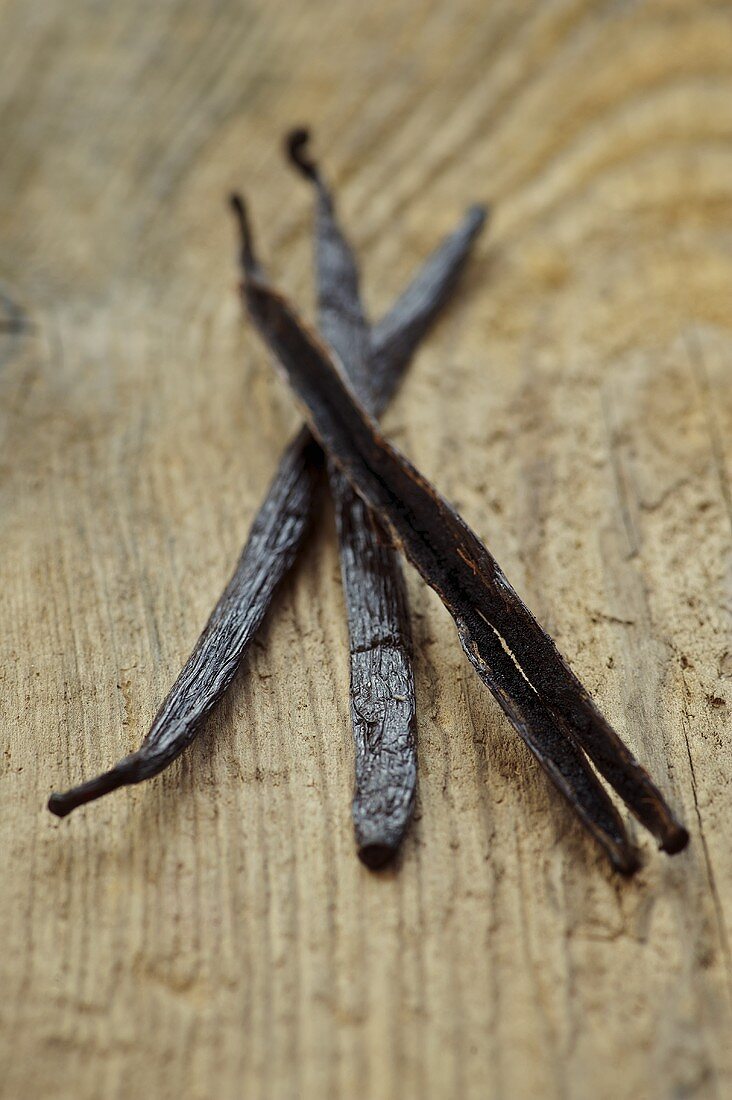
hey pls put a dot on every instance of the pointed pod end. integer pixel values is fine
(376, 855)
(236, 202)
(296, 144)
(239, 209)
(129, 770)
(378, 834)
(675, 840)
(59, 805)
(247, 257)
(478, 216)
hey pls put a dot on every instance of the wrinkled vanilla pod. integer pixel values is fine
(275, 538)
(383, 706)
(514, 657)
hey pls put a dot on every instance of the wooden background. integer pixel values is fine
(211, 934)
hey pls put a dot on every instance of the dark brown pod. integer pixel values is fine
(383, 705)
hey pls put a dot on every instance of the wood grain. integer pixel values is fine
(212, 934)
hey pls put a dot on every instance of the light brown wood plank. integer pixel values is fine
(211, 934)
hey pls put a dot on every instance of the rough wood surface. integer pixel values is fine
(212, 934)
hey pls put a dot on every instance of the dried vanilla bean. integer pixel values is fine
(514, 657)
(275, 538)
(383, 706)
